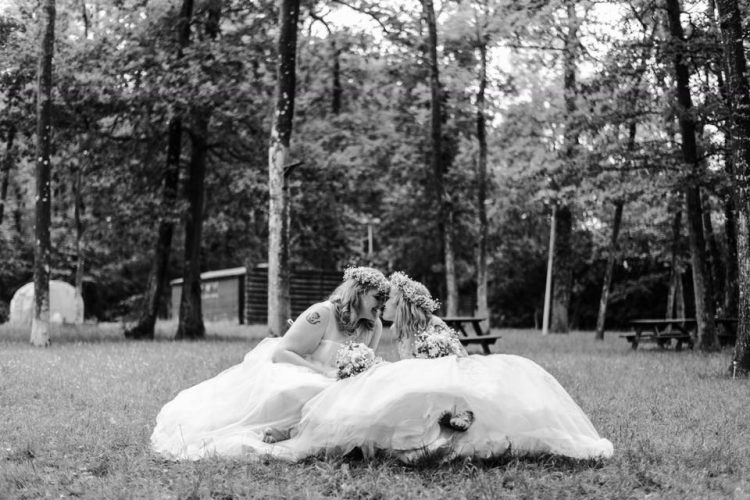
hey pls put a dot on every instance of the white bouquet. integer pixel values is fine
(354, 358)
(436, 342)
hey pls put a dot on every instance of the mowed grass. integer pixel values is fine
(75, 421)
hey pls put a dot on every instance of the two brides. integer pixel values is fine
(288, 405)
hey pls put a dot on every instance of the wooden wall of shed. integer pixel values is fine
(307, 286)
(221, 299)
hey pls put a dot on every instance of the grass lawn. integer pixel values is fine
(75, 420)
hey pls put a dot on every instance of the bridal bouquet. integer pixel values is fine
(436, 342)
(354, 358)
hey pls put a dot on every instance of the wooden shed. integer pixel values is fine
(306, 287)
(222, 295)
(238, 295)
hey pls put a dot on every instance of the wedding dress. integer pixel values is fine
(227, 414)
(518, 408)
(398, 408)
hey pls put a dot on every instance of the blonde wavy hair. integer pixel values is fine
(346, 299)
(410, 318)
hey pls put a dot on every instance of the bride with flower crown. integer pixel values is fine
(247, 407)
(451, 406)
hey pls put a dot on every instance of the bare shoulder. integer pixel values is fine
(307, 330)
(317, 314)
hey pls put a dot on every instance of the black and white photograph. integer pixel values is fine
(374, 249)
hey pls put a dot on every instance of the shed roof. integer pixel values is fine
(216, 275)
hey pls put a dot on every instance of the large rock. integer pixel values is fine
(64, 306)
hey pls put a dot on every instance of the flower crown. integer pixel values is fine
(368, 278)
(411, 292)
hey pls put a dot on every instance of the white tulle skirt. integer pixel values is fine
(518, 408)
(227, 414)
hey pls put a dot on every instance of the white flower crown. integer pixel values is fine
(369, 278)
(412, 293)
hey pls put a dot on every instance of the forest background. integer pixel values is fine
(603, 148)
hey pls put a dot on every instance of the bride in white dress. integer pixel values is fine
(454, 406)
(245, 408)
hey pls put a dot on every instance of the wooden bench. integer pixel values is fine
(661, 331)
(479, 336)
(682, 330)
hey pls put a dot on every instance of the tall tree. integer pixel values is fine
(714, 265)
(7, 163)
(439, 167)
(704, 310)
(78, 222)
(562, 277)
(731, 270)
(78, 198)
(482, 42)
(675, 271)
(279, 307)
(731, 291)
(733, 37)
(190, 324)
(612, 255)
(42, 246)
(144, 329)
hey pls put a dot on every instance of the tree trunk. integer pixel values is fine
(680, 296)
(548, 278)
(445, 205)
(674, 273)
(79, 227)
(714, 262)
(600, 320)
(42, 247)
(732, 38)
(728, 303)
(704, 311)
(7, 163)
(731, 291)
(144, 329)
(562, 277)
(190, 324)
(79, 248)
(279, 308)
(451, 285)
(482, 305)
(671, 295)
(613, 247)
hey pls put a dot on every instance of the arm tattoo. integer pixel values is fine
(313, 318)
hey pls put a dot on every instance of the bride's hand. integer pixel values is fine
(331, 373)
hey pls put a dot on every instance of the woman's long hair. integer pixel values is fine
(410, 318)
(347, 299)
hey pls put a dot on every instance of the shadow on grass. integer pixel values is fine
(430, 463)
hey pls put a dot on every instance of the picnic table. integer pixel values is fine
(471, 329)
(681, 330)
